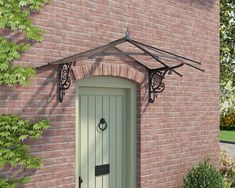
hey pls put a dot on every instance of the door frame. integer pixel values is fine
(113, 82)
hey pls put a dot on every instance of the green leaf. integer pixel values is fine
(15, 15)
(13, 151)
(23, 137)
(227, 40)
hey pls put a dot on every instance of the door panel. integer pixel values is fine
(98, 143)
(106, 139)
(91, 139)
(84, 144)
(113, 153)
(99, 147)
(119, 143)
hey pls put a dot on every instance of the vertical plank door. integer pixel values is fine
(99, 147)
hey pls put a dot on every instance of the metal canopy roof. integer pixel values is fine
(156, 74)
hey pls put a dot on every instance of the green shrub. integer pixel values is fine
(227, 169)
(227, 106)
(203, 175)
(227, 122)
(14, 152)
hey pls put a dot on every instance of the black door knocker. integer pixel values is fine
(102, 124)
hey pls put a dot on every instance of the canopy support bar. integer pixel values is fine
(155, 75)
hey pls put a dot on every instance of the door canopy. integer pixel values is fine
(142, 54)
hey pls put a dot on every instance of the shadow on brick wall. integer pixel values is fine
(204, 3)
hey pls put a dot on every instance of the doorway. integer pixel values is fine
(106, 143)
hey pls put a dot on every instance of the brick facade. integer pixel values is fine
(174, 133)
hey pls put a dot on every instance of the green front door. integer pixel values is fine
(102, 138)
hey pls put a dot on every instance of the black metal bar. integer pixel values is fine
(77, 57)
(194, 67)
(80, 182)
(173, 67)
(182, 61)
(129, 54)
(42, 66)
(111, 44)
(153, 56)
(69, 59)
(150, 99)
(156, 75)
(122, 53)
(132, 58)
(157, 49)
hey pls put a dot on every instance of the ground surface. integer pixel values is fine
(227, 135)
(230, 148)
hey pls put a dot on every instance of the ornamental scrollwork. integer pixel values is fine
(156, 84)
(64, 80)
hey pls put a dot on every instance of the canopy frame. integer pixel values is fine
(155, 75)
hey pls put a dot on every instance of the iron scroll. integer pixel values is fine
(64, 81)
(156, 75)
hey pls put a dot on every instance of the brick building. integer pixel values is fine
(170, 135)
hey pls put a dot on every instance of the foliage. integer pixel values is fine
(227, 100)
(227, 122)
(227, 169)
(203, 175)
(13, 183)
(227, 40)
(14, 152)
(14, 16)
(227, 65)
(227, 106)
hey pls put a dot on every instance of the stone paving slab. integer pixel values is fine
(230, 148)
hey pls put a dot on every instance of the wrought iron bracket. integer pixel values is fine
(156, 75)
(64, 79)
(156, 84)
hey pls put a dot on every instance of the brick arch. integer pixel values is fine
(109, 69)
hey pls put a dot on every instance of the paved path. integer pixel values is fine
(230, 148)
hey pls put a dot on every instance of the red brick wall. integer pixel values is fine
(175, 132)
